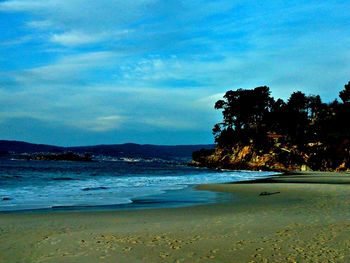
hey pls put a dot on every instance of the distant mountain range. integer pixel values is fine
(116, 150)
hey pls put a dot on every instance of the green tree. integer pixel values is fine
(345, 94)
(297, 116)
(244, 113)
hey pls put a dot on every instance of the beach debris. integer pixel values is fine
(268, 193)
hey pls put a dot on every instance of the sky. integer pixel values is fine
(84, 72)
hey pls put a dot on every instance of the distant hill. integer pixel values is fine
(117, 150)
(25, 147)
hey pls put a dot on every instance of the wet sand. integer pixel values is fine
(301, 218)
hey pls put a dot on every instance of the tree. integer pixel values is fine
(345, 94)
(297, 102)
(244, 114)
(309, 131)
(296, 114)
(276, 120)
(314, 104)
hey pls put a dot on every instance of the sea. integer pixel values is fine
(109, 184)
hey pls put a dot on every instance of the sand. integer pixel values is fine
(307, 221)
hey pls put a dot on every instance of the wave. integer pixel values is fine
(63, 179)
(100, 184)
(10, 177)
(95, 188)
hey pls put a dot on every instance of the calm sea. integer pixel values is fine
(107, 184)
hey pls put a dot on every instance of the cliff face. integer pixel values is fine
(277, 158)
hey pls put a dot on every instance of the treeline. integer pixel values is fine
(315, 129)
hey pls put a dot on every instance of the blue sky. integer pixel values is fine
(149, 71)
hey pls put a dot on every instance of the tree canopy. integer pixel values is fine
(253, 117)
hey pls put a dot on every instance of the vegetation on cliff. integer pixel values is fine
(259, 132)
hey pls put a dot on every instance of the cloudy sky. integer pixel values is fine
(149, 71)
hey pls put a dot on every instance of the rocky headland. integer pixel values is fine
(258, 132)
(278, 158)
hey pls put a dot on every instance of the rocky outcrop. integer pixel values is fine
(277, 158)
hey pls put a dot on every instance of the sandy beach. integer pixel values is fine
(305, 217)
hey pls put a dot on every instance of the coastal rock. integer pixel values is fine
(342, 168)
(280, 157)
(305, 168)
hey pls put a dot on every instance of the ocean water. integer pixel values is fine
(108, 184)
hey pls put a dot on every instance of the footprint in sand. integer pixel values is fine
(175, 247)
(163, 255)
(284, 232)
(55, 242)
(240, 242)
(208, 256)
(127, 249)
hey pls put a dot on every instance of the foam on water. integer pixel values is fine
(100, 184)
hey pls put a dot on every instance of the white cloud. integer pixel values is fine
(99, 124)
(107, 108)
(75, 38)
(78, 22)
(66, 69)
(169, 123)
(22, 6)
(80, 14)
(40, 24)
(17, 41)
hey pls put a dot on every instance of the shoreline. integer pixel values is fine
(306, 221)
(176, 198)
(179, 193)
